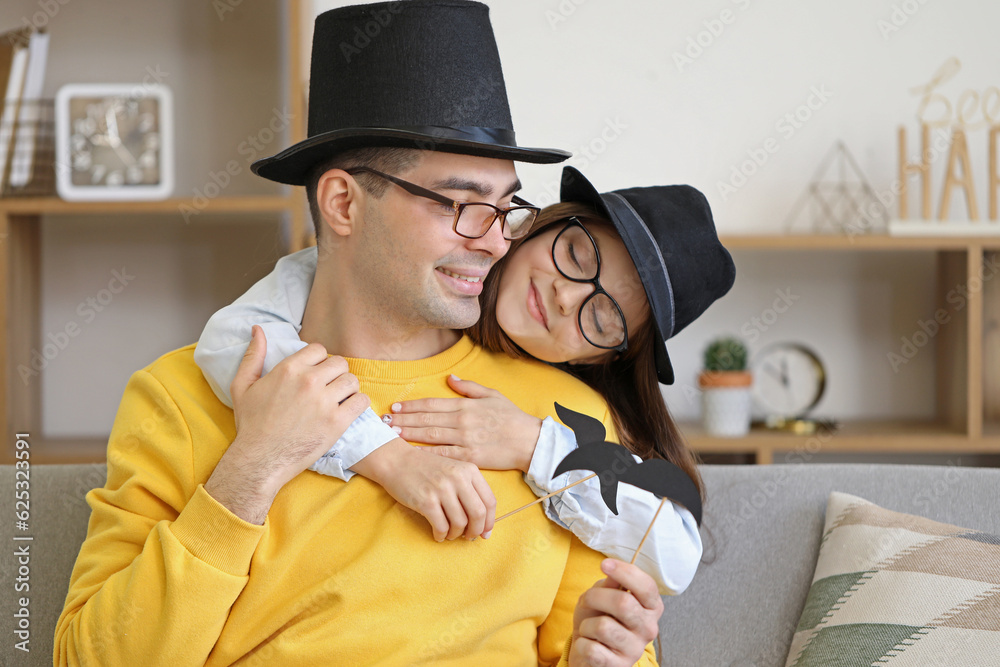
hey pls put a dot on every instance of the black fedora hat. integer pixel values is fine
(416, 74)
(669, 233)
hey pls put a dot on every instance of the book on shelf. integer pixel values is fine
(9, 42)
(23, 55)
(30, 114)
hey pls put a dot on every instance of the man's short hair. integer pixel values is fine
(388, 160)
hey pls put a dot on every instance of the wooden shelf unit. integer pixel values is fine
(966, 390)
(968, 400)
(34, 206)
(20, 267)
(869, 437)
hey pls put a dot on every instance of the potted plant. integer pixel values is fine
(725, 383)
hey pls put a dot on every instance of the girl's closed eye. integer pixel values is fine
(594, 315)
(573, 257)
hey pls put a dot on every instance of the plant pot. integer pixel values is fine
(725, 402)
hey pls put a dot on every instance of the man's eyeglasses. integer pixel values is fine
(601, 320)
(472, 219)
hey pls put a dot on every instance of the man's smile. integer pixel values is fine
(471, 279)
(466, 281)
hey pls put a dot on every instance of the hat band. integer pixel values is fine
(483, 135)
(622, 209)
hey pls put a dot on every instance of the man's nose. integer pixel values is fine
(492, 242)
(570, 294)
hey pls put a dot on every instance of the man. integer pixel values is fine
(210, 545)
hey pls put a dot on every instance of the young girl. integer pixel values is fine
(596, 288)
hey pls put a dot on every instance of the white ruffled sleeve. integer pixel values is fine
(673, 549)
(277, 303)
(365, 434)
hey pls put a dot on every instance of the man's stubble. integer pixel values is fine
(402, 287)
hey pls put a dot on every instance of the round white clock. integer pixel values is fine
(114, 142)
(789, 380)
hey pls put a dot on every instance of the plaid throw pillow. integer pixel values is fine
(896, 590)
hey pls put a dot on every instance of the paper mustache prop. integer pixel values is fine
(612, 463)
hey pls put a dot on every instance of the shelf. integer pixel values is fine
(860, 436)
(991, 345)
(870, 437)
(43, 205)
(859, 242)
(873, 437)
(72, 450)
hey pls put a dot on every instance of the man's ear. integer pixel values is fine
(340, 199)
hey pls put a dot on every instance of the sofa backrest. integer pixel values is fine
(57, 525)
(761, 531)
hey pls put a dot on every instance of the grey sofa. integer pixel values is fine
(762, 526)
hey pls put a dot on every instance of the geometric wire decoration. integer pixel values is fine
(847, 206)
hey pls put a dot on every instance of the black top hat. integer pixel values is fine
(418, 74)
(669, 233)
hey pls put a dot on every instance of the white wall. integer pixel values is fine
(581, 72)
(578, 68)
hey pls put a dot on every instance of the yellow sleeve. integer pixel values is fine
(163, 561)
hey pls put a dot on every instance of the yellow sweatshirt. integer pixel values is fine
(339, 574)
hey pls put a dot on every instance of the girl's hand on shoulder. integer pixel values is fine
(485, 427)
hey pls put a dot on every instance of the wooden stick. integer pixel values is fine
(643, 540)
(648, 530)
(544, 497)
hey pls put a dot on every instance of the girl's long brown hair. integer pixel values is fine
(628, 383)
